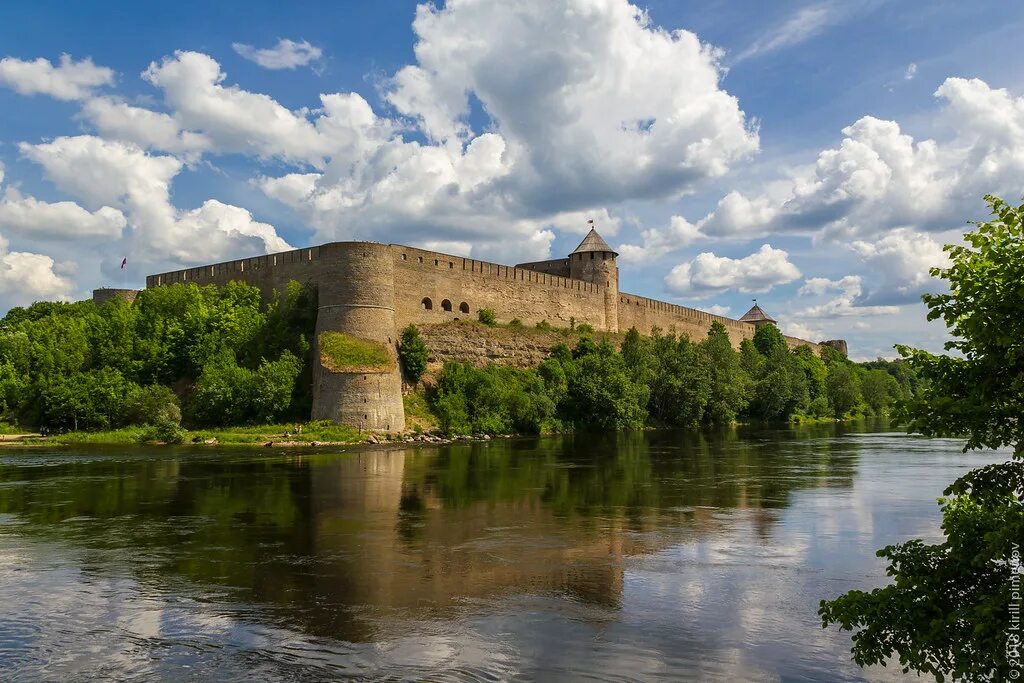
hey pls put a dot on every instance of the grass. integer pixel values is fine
(321, 431)
(417, 412)
(111, 436)
(8, 428)
(340, 352)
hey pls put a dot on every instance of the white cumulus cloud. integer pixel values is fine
(68, 80)
(26, 277)
(708, 274)
(626, 110)
(119, 120)
(124, 176)
(32, 218)
(287, 54)
(879, 178)
(903, 259)
(846, 291)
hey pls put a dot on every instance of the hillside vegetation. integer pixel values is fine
(210, 356)
(666, 380)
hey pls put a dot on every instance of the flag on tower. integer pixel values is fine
(124, 262)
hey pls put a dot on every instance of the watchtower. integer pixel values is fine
(757, 317)
(594, 261)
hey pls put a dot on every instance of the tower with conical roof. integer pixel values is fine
(757, 317)
(594, 261)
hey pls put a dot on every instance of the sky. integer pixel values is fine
(815, 156)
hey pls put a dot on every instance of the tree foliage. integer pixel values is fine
(413, 353)
(947, 611)
(660, 380)
(82, 366)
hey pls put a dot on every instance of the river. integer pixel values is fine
(641, 556)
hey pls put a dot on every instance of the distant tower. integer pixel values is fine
(757, 317)
(594, 261)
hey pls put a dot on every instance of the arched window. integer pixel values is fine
(463, 307)
(446, 305)
(427, 303)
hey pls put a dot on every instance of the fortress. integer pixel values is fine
(370, 291)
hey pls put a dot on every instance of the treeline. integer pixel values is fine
(666, 380)
(214, 356)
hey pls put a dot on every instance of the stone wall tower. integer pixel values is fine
(357, 298)
(757, 317)
(594, 261)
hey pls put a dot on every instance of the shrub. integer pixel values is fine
(164, 430)
(487, 317)
(152, 405)
(515, 322)
(545, 326)
(585, 328)
(413, 353)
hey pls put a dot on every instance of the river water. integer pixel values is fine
(640, 556)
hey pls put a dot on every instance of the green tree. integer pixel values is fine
(600, 392)
(814, 370)
(768, 338)
(638, 356)
(681, 387)
(413, 353)
(842, 386)
(729, 385)
(493, 399)
(780, 386)
(86, 400)
(947, 612)
(879, 388)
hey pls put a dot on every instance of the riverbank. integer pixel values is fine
(270, 436)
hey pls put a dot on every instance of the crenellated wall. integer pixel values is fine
(509, 292)
(268, 273)
(645, 314)
(371, 291)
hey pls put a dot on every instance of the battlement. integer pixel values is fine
(236, 269)
(412, 257)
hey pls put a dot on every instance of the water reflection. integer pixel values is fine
(517, 549)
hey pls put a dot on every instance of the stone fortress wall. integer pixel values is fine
(371, 291)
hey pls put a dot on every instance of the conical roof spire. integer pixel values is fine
(757, 315)
(593, 242)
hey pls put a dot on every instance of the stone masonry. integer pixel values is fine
(371, 291)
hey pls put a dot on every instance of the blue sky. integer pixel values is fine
(812, 155)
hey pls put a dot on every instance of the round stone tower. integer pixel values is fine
(594, 261)
(357, 311)
(104, 294)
